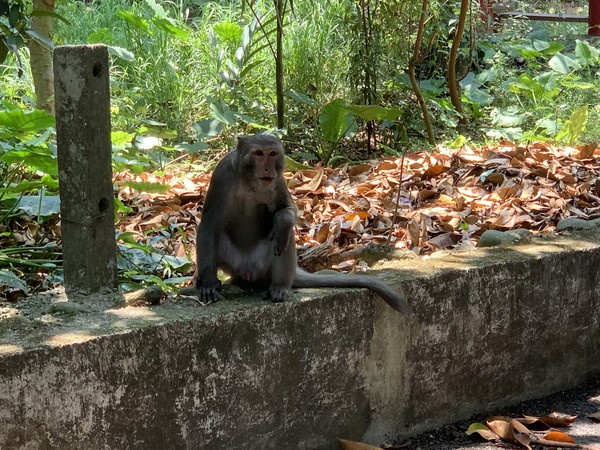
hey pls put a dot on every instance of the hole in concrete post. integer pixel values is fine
(97, 70)
(103, 205)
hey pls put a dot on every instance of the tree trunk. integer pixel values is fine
(280, 11)
(452, 81)
(41, 57)
(413, 78)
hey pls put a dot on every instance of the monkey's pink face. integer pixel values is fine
(268, 164)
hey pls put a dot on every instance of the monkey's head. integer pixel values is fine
(260, 160)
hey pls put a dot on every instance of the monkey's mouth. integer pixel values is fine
(266, 179)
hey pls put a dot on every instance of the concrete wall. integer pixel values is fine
(489, 328)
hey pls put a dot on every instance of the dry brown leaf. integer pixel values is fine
(510, 430)
(434, 171)
(595, 416)
(446, 240)
(313, 184)
(387, 165)
(559, 436)
(586, 151)
(359, 169)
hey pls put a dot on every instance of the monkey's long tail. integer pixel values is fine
(304, 279)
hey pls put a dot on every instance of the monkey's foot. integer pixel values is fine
(278, 294)
(208, 295)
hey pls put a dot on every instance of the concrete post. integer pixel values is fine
(82, 98)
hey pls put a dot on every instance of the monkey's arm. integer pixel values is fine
(284, 220)
(283, 226)
(213, 221)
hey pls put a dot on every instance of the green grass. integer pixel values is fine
(174, 78)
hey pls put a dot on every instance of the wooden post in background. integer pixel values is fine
(82, 98)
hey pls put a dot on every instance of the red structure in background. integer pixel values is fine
(488, 16)
(594, 18)
(487, 13)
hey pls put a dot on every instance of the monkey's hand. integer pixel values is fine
(278, 294)
(280, 240)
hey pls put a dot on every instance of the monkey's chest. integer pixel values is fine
(250, 224)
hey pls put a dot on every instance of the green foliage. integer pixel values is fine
(27, 153)
(142, 261)
(548, 104)
(14, 22)
(10, 279)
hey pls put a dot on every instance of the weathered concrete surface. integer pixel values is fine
(491, 327)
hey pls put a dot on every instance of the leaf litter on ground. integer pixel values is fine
(446, 200)
(523, 432)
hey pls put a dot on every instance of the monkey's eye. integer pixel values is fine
(258, 152)
(273, 153)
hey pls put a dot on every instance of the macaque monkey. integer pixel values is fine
(247, 230)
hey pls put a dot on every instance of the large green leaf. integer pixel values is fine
(336, 121)
(586, 54)
(509, 117)
(121, 138)
(45, 206)
(301, 98)
(563, 64)
(375, 112)
(228, 32)
(121, 53)
(42, 13)
(46, 181)
(573, 128)
(8, 278)
(40, 161)
(208, 128)
(19, 121)
(167, 25)
(134, 20)
(221, 111)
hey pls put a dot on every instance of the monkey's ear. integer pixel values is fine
(242, 140)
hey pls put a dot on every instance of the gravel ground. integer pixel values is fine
(580, 401)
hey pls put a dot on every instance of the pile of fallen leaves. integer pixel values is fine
(527, 430)
(423, 202)
(521, 432)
